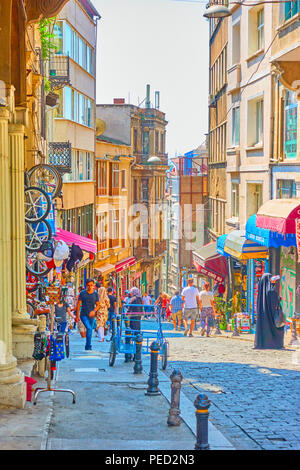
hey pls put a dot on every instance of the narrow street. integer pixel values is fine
(254, 394)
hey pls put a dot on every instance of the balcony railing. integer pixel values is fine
(59, 71)
(160, 247)
(60, 155)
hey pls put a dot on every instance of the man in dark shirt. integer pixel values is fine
(112, 310)
(87, 306)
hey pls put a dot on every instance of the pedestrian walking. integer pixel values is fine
(176, 310)
(102, 314)
(86, 309)
(207, 307)
(190, 296)
(147, 303)
(135, 305)
(112, 309)
(61, 311)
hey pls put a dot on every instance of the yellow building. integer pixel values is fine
(72, 121)
(22, 144)
(115, 264)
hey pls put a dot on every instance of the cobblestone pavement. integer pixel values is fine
(255, 394)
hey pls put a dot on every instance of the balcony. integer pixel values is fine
(60, 155)
(234, 78)
(160, 248)
(140, 252)
(59, 71)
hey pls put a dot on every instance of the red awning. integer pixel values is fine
(86, 244)
(124, 264)
(278, 215)
(210, 263)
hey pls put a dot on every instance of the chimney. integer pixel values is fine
(148, 104)
(119, 100)
(157, 99)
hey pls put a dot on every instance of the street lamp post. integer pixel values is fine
(216, 10)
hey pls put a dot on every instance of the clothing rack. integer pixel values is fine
(49, 387)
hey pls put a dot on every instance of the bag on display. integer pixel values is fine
(61, 251)
(75, 257)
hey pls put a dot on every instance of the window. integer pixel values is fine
(123, 179)
(236, 126)
(145, 190)
(255, 30)
(156, 142)
(82, 167)
(89, 167)
(260, 29)
(101, 178)
(290, 125)
(135, 139)
(255, 126)
(162, 143)
(259, 121)
(135, 191)
(115, 175)
(68, 42)
(102, 230)
(235, 194)
(115, 227)
(146, 142)
(286, 189)
(291, 9)
(77, 107)
(236, 43)
(254, 198)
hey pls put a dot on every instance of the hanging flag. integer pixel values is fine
(297, 223)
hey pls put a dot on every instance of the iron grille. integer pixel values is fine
(59, 71)
(60, 155)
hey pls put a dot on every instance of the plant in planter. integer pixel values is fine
(224, 309)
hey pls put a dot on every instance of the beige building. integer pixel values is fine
(250, 112)
(72, 121)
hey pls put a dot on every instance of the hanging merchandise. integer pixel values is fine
(61, 251)
(46, 251)
(40, 340)
(75, 257)
(53, 293)
(57, 349)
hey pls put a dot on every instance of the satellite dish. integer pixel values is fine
(100, 127)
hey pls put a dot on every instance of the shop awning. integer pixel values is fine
(279, 215)
(105, 268)
(210, 263)
(221, 244)
(266, 237)
(86, 244)
(124, 264)
(239, 247)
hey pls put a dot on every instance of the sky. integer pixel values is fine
(163, 43)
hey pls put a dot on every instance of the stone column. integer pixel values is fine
(12, 385)
(23, 330)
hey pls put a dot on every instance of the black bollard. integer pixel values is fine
(218, 331)
(152, 389)
(138, 368)
(174, 412)
(127, 342)
(294, 339)
(235, 333)
(202, 403)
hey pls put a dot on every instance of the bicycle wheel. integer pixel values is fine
(164, 356)
(36, 234)
(113, 352)
(46, 177)
(36, 266)
(37, 204)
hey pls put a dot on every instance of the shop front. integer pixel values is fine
(211, 264)
(248, 260)
(281, 216)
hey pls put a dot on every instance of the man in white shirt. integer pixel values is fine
(147, 302)
(190, 297)
(207, 307)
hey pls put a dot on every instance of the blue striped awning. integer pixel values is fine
(266, 237)
(238, 246)
(221, 244)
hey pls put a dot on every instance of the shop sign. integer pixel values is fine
(208, 273)
(297, 222)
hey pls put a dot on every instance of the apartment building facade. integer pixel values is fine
(144, 130)
(74, 116)
(217, 109)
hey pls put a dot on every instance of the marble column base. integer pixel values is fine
(12, 386)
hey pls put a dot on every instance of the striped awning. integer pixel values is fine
(86, 244)
(238, 246)
(279, 215)
(266, 237)
(125, 264)
(210, 263)
(104, 268)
